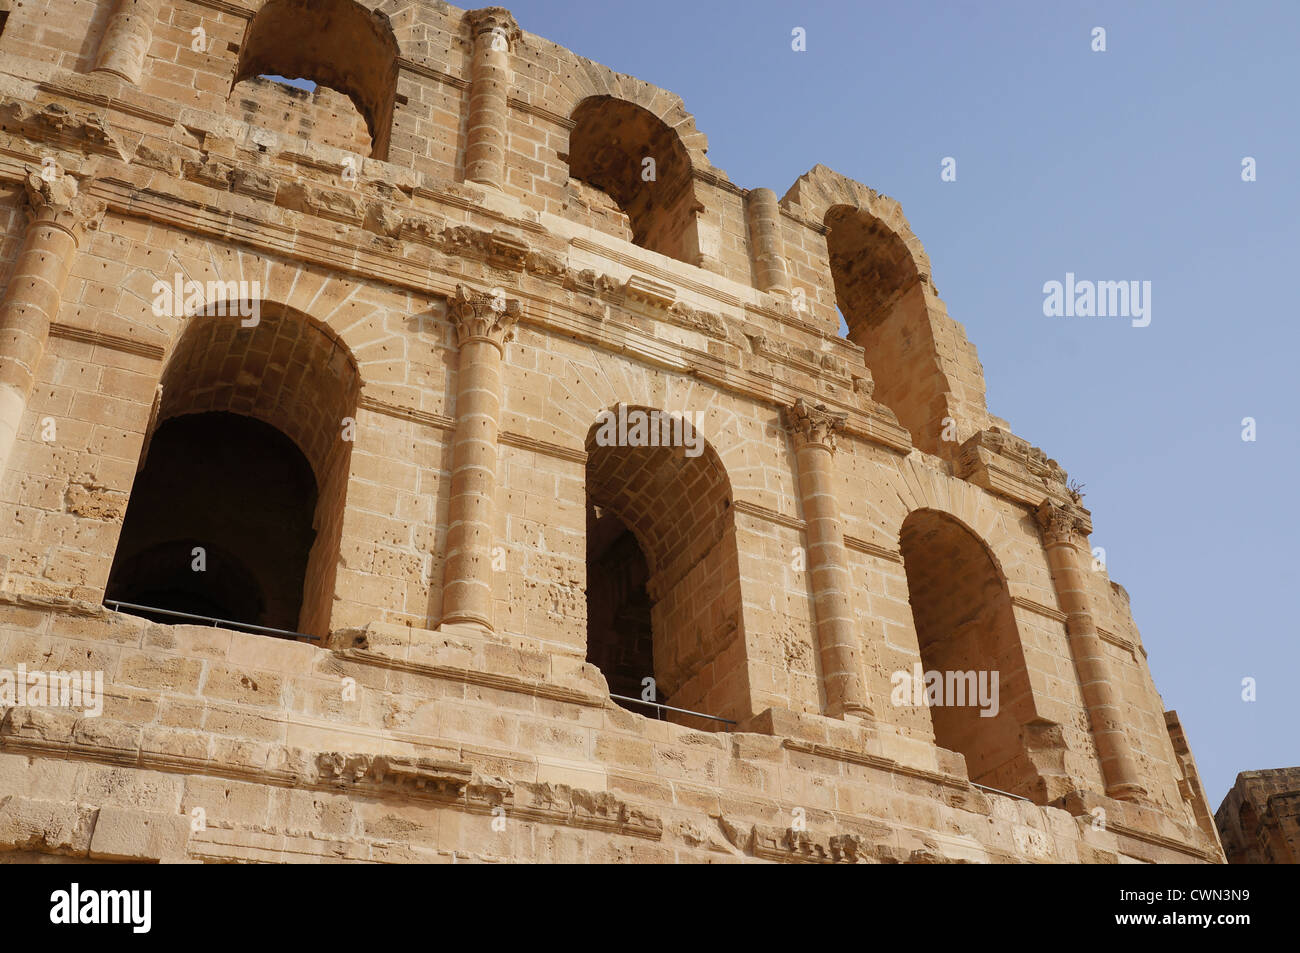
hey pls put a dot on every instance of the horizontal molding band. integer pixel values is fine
(834, 753)
(1117, 640)
(519, 686)
(790, 522)
(1029, 605)
(103, 339)
(770, 515)
(331, 251)
(443, 422)
(472, 798)
(104, 101)
(872, 549)
(225, 6)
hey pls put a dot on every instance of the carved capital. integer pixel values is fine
(498, 22)
(479, 315)
(813, 426)
(1060, 524)
(57, 200)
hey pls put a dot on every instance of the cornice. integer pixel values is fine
(437, 280)
(446, 783)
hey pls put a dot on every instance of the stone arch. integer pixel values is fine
(1057, 738)
(967, 634)
(338, 44)
(589, 380)
(924, 368)
(820, 189)
(364, 319)
(881, 295)
(633, 157)
(580, 80)
(296, 377)
(665, 487)
(913, 486)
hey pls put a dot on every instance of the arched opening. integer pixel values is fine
(663, 586)
(971, 651)
(237, 508)
(347, 51)
(219, 523)
(633, 177)
(881, 299)
(620, 633)
(1248, 819)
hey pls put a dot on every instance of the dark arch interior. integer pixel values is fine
(240, 490)
(335, 43)
(871, 265)
(608, 147)
(663, 577)
(620, 636)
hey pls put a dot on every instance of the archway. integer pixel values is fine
(663, 584)
(631, 156)
(247, 462)
(880, 296)
(968, 638)
(219, 523)
(349, 52)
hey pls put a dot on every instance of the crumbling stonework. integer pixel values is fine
(398, 306)
(1259, 820)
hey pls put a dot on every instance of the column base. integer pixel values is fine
(471, 619)
(1127, 791)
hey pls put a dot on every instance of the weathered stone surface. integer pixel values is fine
(1259, 819)
(122, 834)
(461, 440)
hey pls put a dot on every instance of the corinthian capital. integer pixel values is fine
(497, 21)
(482, 315)
(56, 199)
(1060, 524)
(813, 426)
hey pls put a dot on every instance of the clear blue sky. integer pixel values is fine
(1122, 165)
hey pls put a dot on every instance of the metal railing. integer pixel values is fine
(985, 787)
(210, 620)
(249, 627)
(684, 711)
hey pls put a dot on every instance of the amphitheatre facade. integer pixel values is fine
(307, 456)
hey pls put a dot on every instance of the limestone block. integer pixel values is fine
(55, 827)
(125, 834)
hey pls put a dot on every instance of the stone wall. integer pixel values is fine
(1259, 819)
(458, 263)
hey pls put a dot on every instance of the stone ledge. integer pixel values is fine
(108, 832)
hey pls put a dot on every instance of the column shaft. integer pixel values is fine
(493, 31)
(1118, 766)
(35, 294)
(126, 39)
(837, 641)
(767, 242)
(483, 324)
